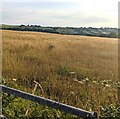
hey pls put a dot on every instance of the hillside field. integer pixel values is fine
(81, 71)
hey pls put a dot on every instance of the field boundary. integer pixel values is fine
(50, 103)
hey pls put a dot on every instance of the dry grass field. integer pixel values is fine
(78, 70)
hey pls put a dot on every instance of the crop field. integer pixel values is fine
(80, 71)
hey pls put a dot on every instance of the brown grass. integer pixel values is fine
(50, 59)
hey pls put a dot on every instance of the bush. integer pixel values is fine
(51, 46)
(63, 71)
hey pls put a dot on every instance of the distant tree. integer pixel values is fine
(22, 25)
(112, 35)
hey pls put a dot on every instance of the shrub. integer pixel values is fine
(63, 71)
(51, 46)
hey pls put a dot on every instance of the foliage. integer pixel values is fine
(101, 32)
(110, 112)
(63, 71)
(14, 107)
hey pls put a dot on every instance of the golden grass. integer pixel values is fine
(50, 59)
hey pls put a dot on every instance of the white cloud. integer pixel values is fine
(87, 13)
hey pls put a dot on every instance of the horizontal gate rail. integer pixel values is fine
(50, 103)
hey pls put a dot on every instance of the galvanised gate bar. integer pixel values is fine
(50, 103)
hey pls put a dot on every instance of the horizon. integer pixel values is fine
(56, 26)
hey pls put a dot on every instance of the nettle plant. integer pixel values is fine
(111, 111)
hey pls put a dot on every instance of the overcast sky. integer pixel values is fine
(76, 13)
